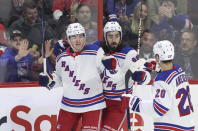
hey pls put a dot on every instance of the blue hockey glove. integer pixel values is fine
(109, 62)
(138, 76)
(60, 47)
(46, 81)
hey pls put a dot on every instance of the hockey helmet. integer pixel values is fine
(74, 29)
(112, 26)
(164, 49)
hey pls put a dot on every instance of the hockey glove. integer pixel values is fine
(60, 47)
(137, 65)
(131, 101)
(138, 76)
(109, 62)
(46, 81)
(151, 65)
(141, 77)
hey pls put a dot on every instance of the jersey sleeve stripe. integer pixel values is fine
(160, 110)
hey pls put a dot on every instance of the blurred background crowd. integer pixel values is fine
(25, 25)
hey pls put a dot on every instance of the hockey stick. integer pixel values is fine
(127, 77)
(138, 49)
(139, 29)
(43, 38)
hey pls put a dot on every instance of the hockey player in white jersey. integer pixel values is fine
(114, 85)
(77, 71)
(171, 106)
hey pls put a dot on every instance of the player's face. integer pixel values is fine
(113, 39)
(77, 42)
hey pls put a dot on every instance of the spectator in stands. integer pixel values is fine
(61, 6)
(170, 24)
(124, 8)
(31, 26)
(148, 39)
(83, 13)
(50, 61)
(131, 30)
(16, 10)
(140, 11)
(180, 8)
(188, 53)
(16, 62)
(84, 17)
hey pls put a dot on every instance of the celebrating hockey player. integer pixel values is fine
(77, 71)
(171, 105)
(114, 85)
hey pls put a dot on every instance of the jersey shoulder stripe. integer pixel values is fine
(64, 54)
(89, 52)
(119, 55)
(126, 49)
(169, 75)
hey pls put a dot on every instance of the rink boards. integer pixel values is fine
(36, 108)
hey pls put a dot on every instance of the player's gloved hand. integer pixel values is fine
(137, 65)
(130, 101)
(141, 77)
(60, 47)
(46, 81)
(109, 62)
(138, 76)
(151, 65)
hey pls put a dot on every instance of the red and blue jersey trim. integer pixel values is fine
(61, 55)
(120, 55)
(89, 52)
(158, 126)
(113, 94)
(83, 102)
(159, 109)
(170, 77)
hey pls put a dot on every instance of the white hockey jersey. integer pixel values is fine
(79, 74)
(114, 85)
(171, 106)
